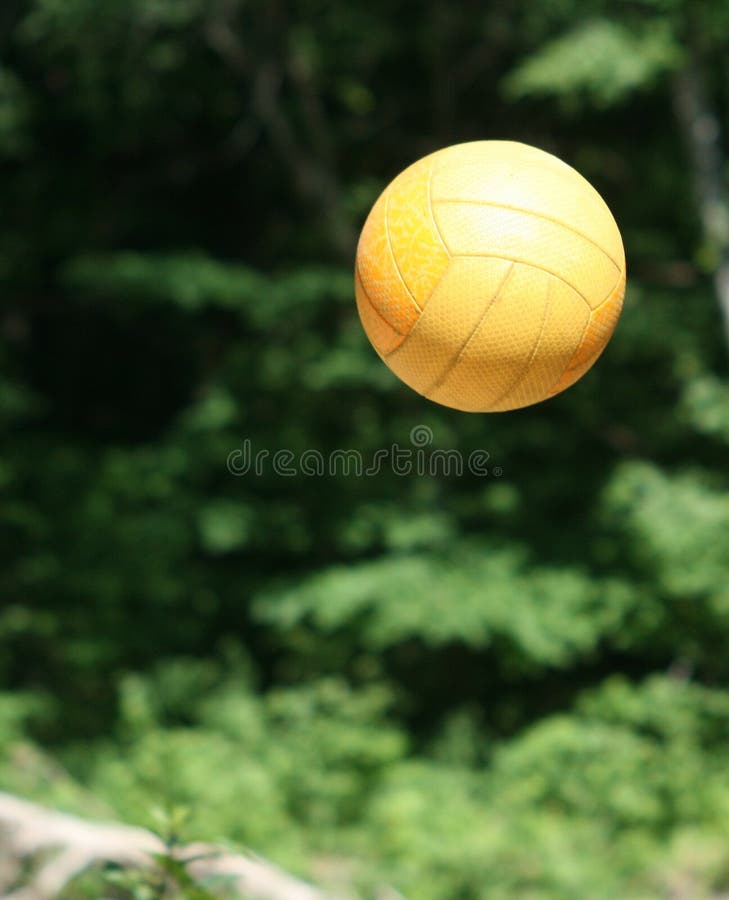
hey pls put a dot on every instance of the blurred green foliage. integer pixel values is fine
(461, 687)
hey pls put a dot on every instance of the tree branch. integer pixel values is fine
(700, 128)
(28, 831)
(313, 173)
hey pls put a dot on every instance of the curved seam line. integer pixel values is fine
(526, 262)
(532, 355)
(536, 215)
(621, 275)
(425, 303)
(568, 367)
(432, 211)
(595, 354)
(441, 378)
(610, 292)
(392, 252)
(376, 310)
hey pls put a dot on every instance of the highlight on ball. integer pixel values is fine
(489, 276)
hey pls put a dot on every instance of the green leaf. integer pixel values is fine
(600, 62)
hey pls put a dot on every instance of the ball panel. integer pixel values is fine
(499, 349)
(566, 320)
(382, 335)
(598, 332)
(468, 153)
(519, 347)
(419, 252)
(380, 278)
(516, 175)
(477, 229)
(455, 308)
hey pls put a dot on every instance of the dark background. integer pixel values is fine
(461, 687)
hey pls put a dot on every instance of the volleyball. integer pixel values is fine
(489, 276)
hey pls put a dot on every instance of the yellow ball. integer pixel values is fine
(489, 276)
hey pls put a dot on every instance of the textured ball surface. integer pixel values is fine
(489, 276)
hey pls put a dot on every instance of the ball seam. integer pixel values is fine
(526, 262)
(532, 356)
(432, 211)
(392, 251)
(376, 310)
(440, 380)
(534, 214)
(600, 350)
(408, 333)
